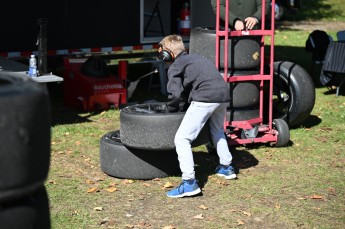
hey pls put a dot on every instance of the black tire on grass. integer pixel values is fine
(120, 161)
(243, 52)
(144, 127)
(25, 123)
(293, 93)
(27, 212)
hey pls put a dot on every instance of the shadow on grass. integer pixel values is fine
(60, 113)
(206, 163)
(310, 121)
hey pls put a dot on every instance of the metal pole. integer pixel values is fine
(42, 46)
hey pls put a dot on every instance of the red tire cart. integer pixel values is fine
(261, 129)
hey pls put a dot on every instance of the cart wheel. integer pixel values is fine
(283, 132)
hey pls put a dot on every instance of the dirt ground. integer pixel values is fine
(311, 25)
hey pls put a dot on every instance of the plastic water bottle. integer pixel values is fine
(32, 66)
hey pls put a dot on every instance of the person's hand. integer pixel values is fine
(239, 25)
(251, 22)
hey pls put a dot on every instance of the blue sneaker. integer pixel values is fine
(226, 171)
(186, 188)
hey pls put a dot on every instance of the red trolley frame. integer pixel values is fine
(264, 132)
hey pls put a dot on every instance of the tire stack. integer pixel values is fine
(293, 88)
(243, 59)
(25, 121)
(144, 147)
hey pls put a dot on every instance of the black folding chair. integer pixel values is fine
(317, 43)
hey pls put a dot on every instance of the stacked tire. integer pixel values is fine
(25, 122)
(143, 147)
(243, 59)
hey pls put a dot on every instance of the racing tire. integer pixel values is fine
(27, 212)
(244, 94)
(293, 93)
(120, 161)
(25, 124)
(283, 132)
(243, 52)
(146, 127)
(242, 114)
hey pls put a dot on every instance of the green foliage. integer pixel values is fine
(327, 10)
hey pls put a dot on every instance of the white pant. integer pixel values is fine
(195, 118)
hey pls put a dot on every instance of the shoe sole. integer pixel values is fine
(195, 192)
(230, 177)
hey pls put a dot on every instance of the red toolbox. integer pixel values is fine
(89, 85)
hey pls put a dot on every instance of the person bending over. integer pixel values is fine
(208, 98)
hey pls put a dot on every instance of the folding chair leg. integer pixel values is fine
(338, 88)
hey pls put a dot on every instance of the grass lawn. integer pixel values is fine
(300, 186)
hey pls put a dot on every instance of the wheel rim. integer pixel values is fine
(282, 98)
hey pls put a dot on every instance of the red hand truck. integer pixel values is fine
(261, 129)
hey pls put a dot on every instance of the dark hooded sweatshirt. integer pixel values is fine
(199, 78)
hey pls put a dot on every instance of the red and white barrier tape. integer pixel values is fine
(81, 50)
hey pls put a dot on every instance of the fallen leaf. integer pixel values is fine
(169, 227)
(203, 207)
(105, 220)
(240, 222)
(51, 182)
(246, 213)
(77, 143)
(146, 185)
(91, 190)
(112, 184)
(331, 190)
(126, 181)
(89, 182)
(98, 209)
(168, 185)
(200, 216)
(144, 224)
(316, 197)
(111, 189)
(221, 182)
(277, 206)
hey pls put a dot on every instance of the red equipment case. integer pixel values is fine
(93, 93)
(254, 130)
